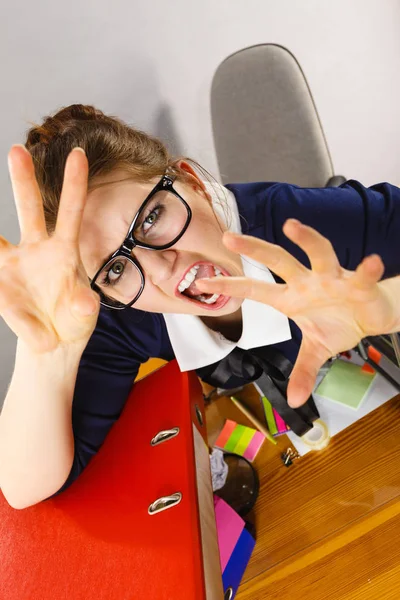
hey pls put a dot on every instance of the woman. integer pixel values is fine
(75, 208)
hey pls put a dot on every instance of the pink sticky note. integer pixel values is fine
(280, 423)
(229, 529)
(254, 446)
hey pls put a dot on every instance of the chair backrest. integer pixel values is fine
(265, 123)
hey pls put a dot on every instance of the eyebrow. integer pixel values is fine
(101, 263)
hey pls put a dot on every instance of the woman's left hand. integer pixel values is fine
(334, 308)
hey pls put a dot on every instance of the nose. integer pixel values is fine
(158, 265)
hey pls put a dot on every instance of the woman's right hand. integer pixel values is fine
(45, 296)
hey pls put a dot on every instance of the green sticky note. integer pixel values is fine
(269, 415)
(345, 384)
(244, 441)
(234, 438)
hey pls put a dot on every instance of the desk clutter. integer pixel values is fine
(346, 389)
(276, 424)
(240, 440)
(349, 388)
(346, 384)
(236, 544)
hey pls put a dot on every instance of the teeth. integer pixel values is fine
(191, 276)
(183, 285)
(211, 300)
(188, 279)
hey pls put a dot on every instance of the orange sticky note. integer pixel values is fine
(367, 368)
(373, 354)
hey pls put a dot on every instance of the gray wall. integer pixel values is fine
(151, 63)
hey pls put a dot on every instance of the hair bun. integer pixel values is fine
(63, 120)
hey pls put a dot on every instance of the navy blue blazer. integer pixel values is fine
(357, 220)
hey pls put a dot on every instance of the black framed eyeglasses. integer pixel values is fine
(160, 222)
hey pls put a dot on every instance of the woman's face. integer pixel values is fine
(108, 213)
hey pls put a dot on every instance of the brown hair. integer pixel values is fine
(109, 144)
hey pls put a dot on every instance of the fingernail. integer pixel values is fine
(296, 401)
(80, 149)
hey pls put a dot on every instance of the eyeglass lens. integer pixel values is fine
(161, 221)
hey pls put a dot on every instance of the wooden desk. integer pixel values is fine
(328, 527)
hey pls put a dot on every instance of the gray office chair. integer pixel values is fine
(265, 123)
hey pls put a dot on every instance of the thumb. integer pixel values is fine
(85, 303)
(303, 377)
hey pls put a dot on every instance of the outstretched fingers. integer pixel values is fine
(318, 248)
(272, 256)
(27, 196)
(368, 272)
(303, 377)
(73, 196)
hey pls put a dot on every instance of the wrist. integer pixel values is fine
(391, 290)
(67, 355)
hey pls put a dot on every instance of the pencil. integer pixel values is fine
(253, 419)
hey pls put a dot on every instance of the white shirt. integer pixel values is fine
(195, 345)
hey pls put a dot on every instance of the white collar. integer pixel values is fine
(194, 344)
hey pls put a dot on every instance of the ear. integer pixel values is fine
(189, 169)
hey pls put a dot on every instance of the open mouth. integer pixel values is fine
(187, 289)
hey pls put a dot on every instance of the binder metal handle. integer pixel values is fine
(164, 503)
(165, 435)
